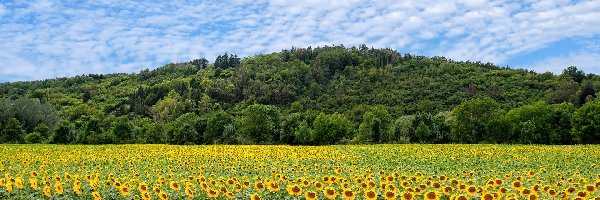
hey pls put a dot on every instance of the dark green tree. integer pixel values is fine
(586, 123)
(186, 129)
(122, 130)
(216, 126)
(472, 120)
(330, 129)
(260, 123)
(12, 132)
(63, 134)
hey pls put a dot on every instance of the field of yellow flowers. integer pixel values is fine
(288, 172)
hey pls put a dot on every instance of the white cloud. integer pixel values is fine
(3, 10)
(61, 39)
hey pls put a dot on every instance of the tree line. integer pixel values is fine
(307, 96)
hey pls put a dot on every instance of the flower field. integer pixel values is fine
(289, 172)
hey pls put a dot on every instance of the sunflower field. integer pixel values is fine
(413, 171)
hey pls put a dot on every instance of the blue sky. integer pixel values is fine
(46, 39)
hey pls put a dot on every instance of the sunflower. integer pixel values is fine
(590, 188)
(488, 196)
(552, 193)
(570, 190)
(512, 196)
(175, 186)
(525, 192)
(472, 190)
(163, 196)
(318, 185)
(255, 196)
(19, 183)
(59, 188)
(77, 190)
(124, 190)
(212, 193)
(348, 194)
(407, 196)
(142, 187)
(189, 192)
(310, 195)
(582, 194)
(294, 190)
(447, 190)
(259, 186)
(459, 197)
(517, 185)
(47, 191)
(230, 195)
(146, 196)
(329, 193)
(370, 195)
(389, 195)
(96, 195)
(431, 195)
(273, 187)
(34, 183)
(533, 196)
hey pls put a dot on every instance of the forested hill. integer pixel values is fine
(323, 95)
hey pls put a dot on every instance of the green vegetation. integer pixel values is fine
(307, 96)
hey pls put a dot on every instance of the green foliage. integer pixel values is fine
(586, 123)
(63, 134)
(186, 129)
(122, 130)
(472, 120)
(260, 123)
(12, 132)
(383, 95)
(329, 129)
(217, 124)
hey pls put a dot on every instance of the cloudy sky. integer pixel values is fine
(45, 39)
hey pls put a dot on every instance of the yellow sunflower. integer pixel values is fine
(329, 193)
(294, 190)
(175, 186)
(255, 196)
(370, 195)
(431, 195)
(390, 195)
(96, 195)
(310, 195)
(348, 195)
(407, 196)
(212, 193)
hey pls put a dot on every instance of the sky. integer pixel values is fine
(41, 39)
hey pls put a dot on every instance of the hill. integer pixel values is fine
(322, 95)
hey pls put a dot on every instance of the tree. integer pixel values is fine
(574, 74)
(531, 124)
(122, 129)
(169, 108)
(186, 129)
(588, 93)
(200, 63)
(289, 125)
(304, 135)
(329, 129)
(586, 123)
(471, 120)
(12, 132)
(63, 134)
(423, 133)
(376, 126)
(216, 125)
(260, 123)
